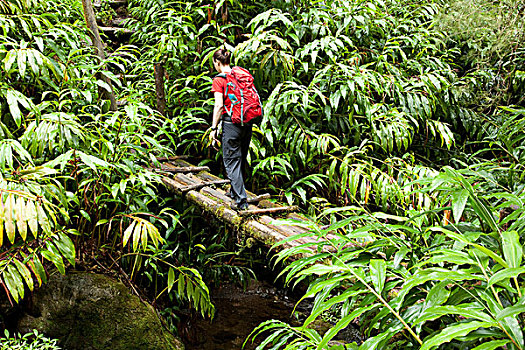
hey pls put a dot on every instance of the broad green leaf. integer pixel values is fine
(504, 274)
(373, 342)
(52, 254)
(66, 247)
(324, 306)
(25, 273)
(43, 219)
(453, 332)
(21, 219)
(9, 59)
(128, 232)
(460, 237)
(511, 311)
(434, 274)
(320, 270)
(180, 284)
(459, 200)
(21, 62)
(12, 101)
(92, 161)
(465, 310)
(17, 279)
(31, 215)
(400, 255)
(378, 274)
(144, 234)
(171, 279)
(384, 216)
(342, 323)
(512, 249)
(38, 270)
(437, 295)
(10, 284)
(136, 234)
(9, 219)
(491, 345)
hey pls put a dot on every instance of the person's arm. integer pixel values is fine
(217, 112)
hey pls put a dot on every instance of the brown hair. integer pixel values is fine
(223, 56)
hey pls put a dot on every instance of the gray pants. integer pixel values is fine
(235, 144)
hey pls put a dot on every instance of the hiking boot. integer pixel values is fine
(243, 206)
(239, 207)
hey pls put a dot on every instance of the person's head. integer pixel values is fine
(221, 58)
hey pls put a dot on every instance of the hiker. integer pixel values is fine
(236, 104)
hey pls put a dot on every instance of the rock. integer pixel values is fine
(89, 311)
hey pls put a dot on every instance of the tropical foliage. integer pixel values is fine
(397, 125)
(28, 341)
(74, 175)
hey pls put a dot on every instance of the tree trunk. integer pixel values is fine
(159, 88)
(91, 22)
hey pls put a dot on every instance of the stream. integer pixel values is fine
(238, 312)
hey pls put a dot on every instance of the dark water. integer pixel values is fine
(238, 312)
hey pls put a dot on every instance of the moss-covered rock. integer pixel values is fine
(89, 311)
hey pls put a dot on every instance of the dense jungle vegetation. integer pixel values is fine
(398, 125)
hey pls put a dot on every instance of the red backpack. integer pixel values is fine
(245, 101)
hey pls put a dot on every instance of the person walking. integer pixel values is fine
(236, 104)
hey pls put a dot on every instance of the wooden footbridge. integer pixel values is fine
(208, 191)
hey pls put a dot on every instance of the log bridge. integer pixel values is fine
(200, 187)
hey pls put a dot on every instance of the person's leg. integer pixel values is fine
(232, 157)
(246, 137)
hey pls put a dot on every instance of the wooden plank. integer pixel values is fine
(173, 185)
(267, 211)
(172, 158)
(207, 176)
(174, 169)
(204, 184)
(180, 162)
(287, 231)
(219, 194)
(187, 178)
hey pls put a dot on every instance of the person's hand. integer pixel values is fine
(213, 138)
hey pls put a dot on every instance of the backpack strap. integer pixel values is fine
(229, 112)
(224, 76)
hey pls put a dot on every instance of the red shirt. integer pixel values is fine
(219, 85)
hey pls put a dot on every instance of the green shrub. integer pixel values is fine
(28, 341)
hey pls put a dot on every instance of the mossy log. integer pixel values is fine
(208, 195)
(215, 202)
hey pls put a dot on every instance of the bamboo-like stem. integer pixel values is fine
(159, 87)
(91, 22)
